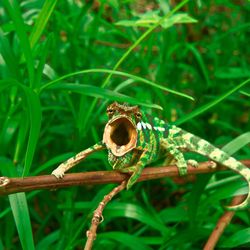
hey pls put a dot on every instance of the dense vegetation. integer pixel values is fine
(200, 50)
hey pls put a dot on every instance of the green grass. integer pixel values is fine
(62, 62)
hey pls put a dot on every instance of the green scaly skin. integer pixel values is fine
(134, 141)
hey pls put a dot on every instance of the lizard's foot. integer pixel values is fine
(169, 160)
(193, 163)
(127, 170)
(182, 171)
(133, 178)
(213, 164)
(4, 181)
(182, 167)
(58, 173)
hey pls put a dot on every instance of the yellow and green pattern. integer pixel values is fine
(134, 140)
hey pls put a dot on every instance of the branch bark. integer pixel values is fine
(15, 185)
(98, 217)
(222, 223)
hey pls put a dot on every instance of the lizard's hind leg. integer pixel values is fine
(169, 160)
(176, 154)
(203, 147)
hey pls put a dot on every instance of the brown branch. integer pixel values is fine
(222, 223)
(15, 185)
(126, 45)
(98, 217)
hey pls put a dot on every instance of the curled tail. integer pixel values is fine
(203, 147)
(245, 172)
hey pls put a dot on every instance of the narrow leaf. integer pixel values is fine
(148, 21)
(115, 72)
(20, 212)
(42, 62)
(200, 61)
(41, 21)
(237, 143)
(48, 241)
(135, 212)
(211, 104)
(126, 240)
(35, 115)
(129, 51)
(8, 56)
(16, 16)
(140, 39)
(237, 239)
(93, 91)
(19, 208)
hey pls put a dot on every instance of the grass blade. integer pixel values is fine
(48, 241)
(93, 91)
(20, 212)
(200, 61)
(141, 38)
(237, 239)
(8, 56)
(128, 210)
(127, 53)
(35, 117)
(42, 62)
(115, 72)
(238, 143)
(19, 208)
(14, 11)
(41, 21)
(153, 18)
(126, 240)
(211, 104)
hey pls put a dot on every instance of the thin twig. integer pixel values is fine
(126, 45)
(98, 217)
(15, 185)
(222, 223)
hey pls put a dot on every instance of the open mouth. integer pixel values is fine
(120, 135)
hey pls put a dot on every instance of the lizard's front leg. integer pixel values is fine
(71, 162)
(136, 169)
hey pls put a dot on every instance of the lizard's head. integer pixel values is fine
(120, 133)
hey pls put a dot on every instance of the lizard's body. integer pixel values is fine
(133, 141)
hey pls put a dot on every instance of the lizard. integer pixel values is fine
(134, 140)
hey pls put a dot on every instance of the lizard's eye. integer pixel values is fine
(138, 115)
(110, 111)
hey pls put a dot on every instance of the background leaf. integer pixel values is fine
(238, 239)
(14, 11)
(19, 208)
(41, 21)
(63, 62)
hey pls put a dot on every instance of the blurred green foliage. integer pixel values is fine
(61, 62)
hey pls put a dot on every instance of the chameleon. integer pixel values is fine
(134, 140)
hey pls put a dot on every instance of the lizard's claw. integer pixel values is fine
(58, 173)
(193, 163)
(213, 164)
(135, 174)
(132, 180)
